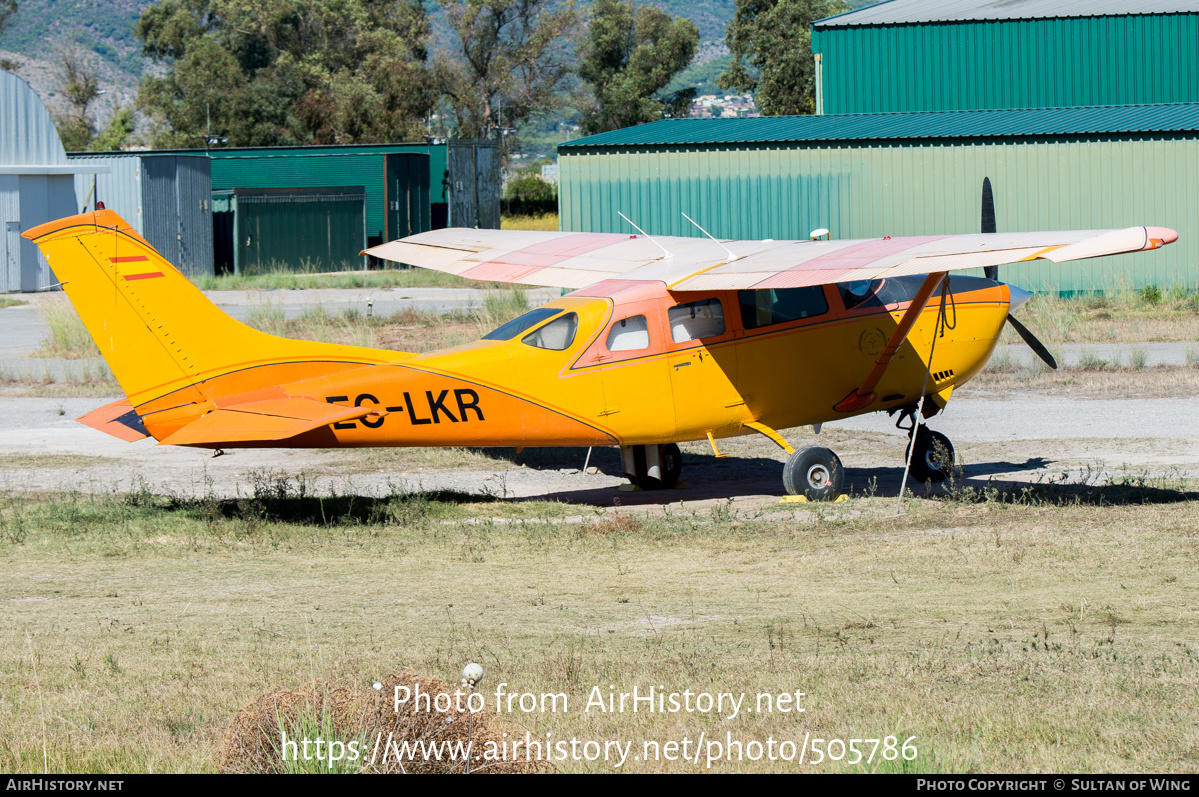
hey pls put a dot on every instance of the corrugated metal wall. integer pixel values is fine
(43, 198)
(27, 133)
(166, 198)
(317, 167)
(10, 233)
(317, 232)
(1034, 63)
(120, 190)
(194, 191)
(872, 189)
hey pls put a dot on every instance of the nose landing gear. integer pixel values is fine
(933, 459)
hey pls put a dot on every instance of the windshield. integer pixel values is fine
(557, 335)
(521, 324)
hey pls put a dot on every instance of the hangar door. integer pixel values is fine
(474, 184)
(309, 230)
(407, 195)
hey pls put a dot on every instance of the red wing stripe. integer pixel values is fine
(149, 275)
(130, 259)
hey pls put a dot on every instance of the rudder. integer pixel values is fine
(159, 333)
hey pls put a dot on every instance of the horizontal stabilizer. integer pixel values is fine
(273, 419)
(117, 419)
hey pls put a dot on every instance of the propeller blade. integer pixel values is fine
(1037, 346)
(988, 224)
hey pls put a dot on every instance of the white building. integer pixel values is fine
(37, 183)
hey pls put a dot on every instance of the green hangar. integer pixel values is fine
(957, 55)
(871, 175)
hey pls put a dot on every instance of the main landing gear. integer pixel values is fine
(652, 467)
(814, 472)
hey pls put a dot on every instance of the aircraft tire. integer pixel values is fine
(671, 459)
(814, 472)
(933, 460)
(672, 464)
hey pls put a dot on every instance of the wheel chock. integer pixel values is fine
(803, 499)
(681, 486)
(629, 488)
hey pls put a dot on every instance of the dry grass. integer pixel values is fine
(1163, 381)
(1048, 629)
(356, 715)
(69, 338)
(548, 221)
(409, 330)
(284, 278)
(1115, 316)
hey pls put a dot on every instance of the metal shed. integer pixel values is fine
(928, 55)
(361, 194)
(871, 175)
(36, 183)
(167, 198)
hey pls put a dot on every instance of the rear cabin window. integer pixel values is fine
(780, 305)
(629, 334)
(696, 320)
(521, 323)
(557, 335)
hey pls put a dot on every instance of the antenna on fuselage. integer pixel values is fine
(666, 255)
(732, 256)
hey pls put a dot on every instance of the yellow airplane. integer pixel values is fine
(663, 340)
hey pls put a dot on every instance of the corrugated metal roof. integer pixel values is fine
(896, 12)
(1024, 122)
(27, 133)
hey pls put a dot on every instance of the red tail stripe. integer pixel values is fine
(131, 259)
(149, 275)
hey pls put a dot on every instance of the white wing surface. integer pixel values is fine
(576, 260)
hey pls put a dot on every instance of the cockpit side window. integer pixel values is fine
(780, 305)
(860, 293)
(629, 334)
(696, 320)
(557, 335)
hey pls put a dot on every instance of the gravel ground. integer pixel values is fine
(42, 447)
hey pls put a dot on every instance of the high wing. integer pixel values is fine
(576, 260)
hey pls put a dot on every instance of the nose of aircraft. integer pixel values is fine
(1018, 297)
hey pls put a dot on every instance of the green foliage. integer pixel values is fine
(116, 133)
(771, 44)
(1151, 294)
(525, 186)
(324, 72)
(628, 57)
(510, 62)
(75, 132)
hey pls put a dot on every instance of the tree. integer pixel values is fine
(771, 44)
(511, 61)
(278, 72)
(628, 57)
(80, 85)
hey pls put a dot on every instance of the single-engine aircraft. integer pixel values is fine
(663, 340)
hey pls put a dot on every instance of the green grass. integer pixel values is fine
(6, 301)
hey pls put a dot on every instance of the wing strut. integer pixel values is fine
(864, 395)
